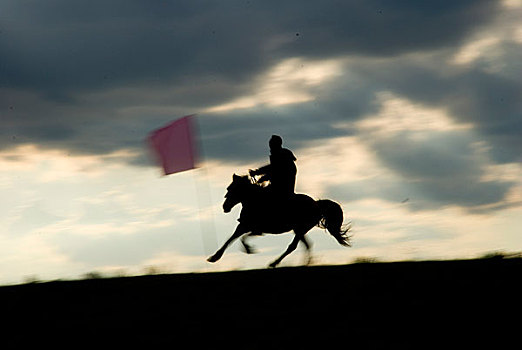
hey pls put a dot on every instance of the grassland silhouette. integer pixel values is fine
(430, 304)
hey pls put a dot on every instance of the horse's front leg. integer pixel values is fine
(288, 250)
(240, 230)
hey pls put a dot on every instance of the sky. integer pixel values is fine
(407, 113)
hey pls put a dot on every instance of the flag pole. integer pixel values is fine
(178, 148)
(206, 218)
(208, 227)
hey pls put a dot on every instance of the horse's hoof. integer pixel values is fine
(249, 250)
(273, 265)
(212, 259)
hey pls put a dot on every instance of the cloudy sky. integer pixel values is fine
(408, 113)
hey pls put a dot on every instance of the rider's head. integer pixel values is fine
(276, 142)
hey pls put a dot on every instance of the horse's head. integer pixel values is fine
(235, 192)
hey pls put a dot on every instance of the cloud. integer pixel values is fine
(490, 102)
(288, 82)
(441, 170)
(94, 79)
(431, 159)
(88, 45)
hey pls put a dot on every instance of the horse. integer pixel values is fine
(262, 212)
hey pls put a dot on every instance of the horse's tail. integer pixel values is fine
(332, 220)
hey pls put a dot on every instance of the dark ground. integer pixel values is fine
(432, 304)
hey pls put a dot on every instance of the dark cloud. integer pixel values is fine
(380, 28)
(491, 102)
(197, 53)
(466, 192)
(440, 169)
(247, 132)
(95, 77)
(437, 155)
(57, 46)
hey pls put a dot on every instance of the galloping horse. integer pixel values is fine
(262, 214)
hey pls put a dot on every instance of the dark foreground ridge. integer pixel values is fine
(451, 304)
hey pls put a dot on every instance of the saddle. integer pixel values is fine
(272, 206)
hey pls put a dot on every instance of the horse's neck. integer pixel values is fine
(252, 195)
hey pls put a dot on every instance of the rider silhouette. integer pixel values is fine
(281, 171)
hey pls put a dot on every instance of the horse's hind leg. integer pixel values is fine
(308, 247)
(247, 247)
(288, 250)
(240, 230)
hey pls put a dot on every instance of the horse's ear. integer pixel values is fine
(235, 177)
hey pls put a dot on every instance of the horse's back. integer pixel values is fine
(305, 210)
(301, 197)
(282, 215)
(303, 202)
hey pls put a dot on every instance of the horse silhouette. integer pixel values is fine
(262, 212)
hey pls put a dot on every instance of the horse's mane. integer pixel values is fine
(253, 181)
(258, 185)
(253, 185)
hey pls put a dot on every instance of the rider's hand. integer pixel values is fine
(252, 172)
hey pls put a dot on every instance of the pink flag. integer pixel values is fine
(174, 145)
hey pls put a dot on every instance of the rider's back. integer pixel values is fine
(283, 171)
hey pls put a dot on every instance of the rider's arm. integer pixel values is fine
(263, 170)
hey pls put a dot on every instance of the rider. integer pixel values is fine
(281, 171)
